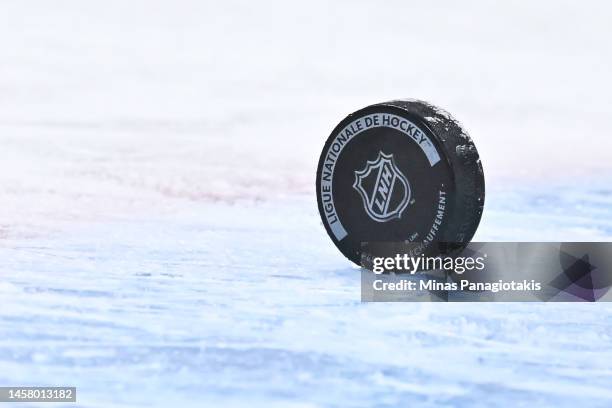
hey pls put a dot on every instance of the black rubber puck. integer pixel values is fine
(399, 171)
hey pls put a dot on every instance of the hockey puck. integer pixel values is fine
(399, 171)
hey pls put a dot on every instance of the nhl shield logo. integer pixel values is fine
(385, 191)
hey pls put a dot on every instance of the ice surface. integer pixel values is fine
(159, 239)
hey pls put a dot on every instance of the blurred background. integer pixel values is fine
(159, 238)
